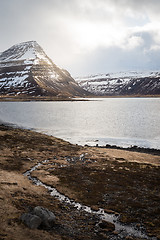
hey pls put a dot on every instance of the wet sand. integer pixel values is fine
(119, 181)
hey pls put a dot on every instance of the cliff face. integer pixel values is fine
(26, 69)
(122, 83)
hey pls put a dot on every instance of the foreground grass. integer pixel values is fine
(116, 180)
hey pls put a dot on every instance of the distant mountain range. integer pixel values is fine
(25, 69)
(122, 83)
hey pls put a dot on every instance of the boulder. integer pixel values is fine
(31, 221)
(107, 226)
(47, 217)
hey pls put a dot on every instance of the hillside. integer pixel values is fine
(25, 69)
(122, 83)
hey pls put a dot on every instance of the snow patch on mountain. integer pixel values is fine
(29, 52)
(17, 80)
(26, 69)
(118, 75)
(122, 83)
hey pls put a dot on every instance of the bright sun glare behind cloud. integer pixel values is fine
(83, 35)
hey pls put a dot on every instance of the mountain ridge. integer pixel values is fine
(122, 83)
(25, 69)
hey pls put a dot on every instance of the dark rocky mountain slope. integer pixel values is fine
(25, 69)
(122, 83)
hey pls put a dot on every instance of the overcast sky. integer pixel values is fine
(87, 36)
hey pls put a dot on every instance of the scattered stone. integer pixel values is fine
(138, 225)
(108, 226)
(115, 232)
(39, 217)
(103, 235)
(31, 221)
(158, 237)
(129, 238)
(111, 212)
(95, 208)
(47, 217)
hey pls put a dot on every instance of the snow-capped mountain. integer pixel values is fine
(26, 69)
(122, 83)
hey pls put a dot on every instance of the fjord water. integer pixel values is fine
(116, 121)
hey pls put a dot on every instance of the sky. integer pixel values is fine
(87, 36)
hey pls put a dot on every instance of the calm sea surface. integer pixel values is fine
(116, 121)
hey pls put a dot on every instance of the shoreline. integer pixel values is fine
(132, 148)
(97, 177)
(55, 99)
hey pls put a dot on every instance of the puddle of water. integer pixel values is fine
(124, 230)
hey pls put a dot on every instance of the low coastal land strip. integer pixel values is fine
(124, 183)
(25, 98)
(4, 98)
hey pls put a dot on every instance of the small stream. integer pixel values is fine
(123, 230)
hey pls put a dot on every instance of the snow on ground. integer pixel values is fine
(118, 82)
(29, 52)
(119, 75)
(42, 56)
(16, 80)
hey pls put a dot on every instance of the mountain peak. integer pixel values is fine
(31, 43)
(26, 69)
(30, 50)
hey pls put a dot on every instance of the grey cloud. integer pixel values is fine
(148, 39)
(115, 59)
(150, 7)
(136, 4)
(22, 20)
(140, 57)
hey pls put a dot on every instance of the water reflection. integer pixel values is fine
(120, 121)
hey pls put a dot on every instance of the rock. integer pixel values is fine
(129, 238)
(95, 208)
(47, 217)
(111, 212)
(32, 221)
(108, 226)
(103, 236)
(115, 232)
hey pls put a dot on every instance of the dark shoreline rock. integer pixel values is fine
(133, 149)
